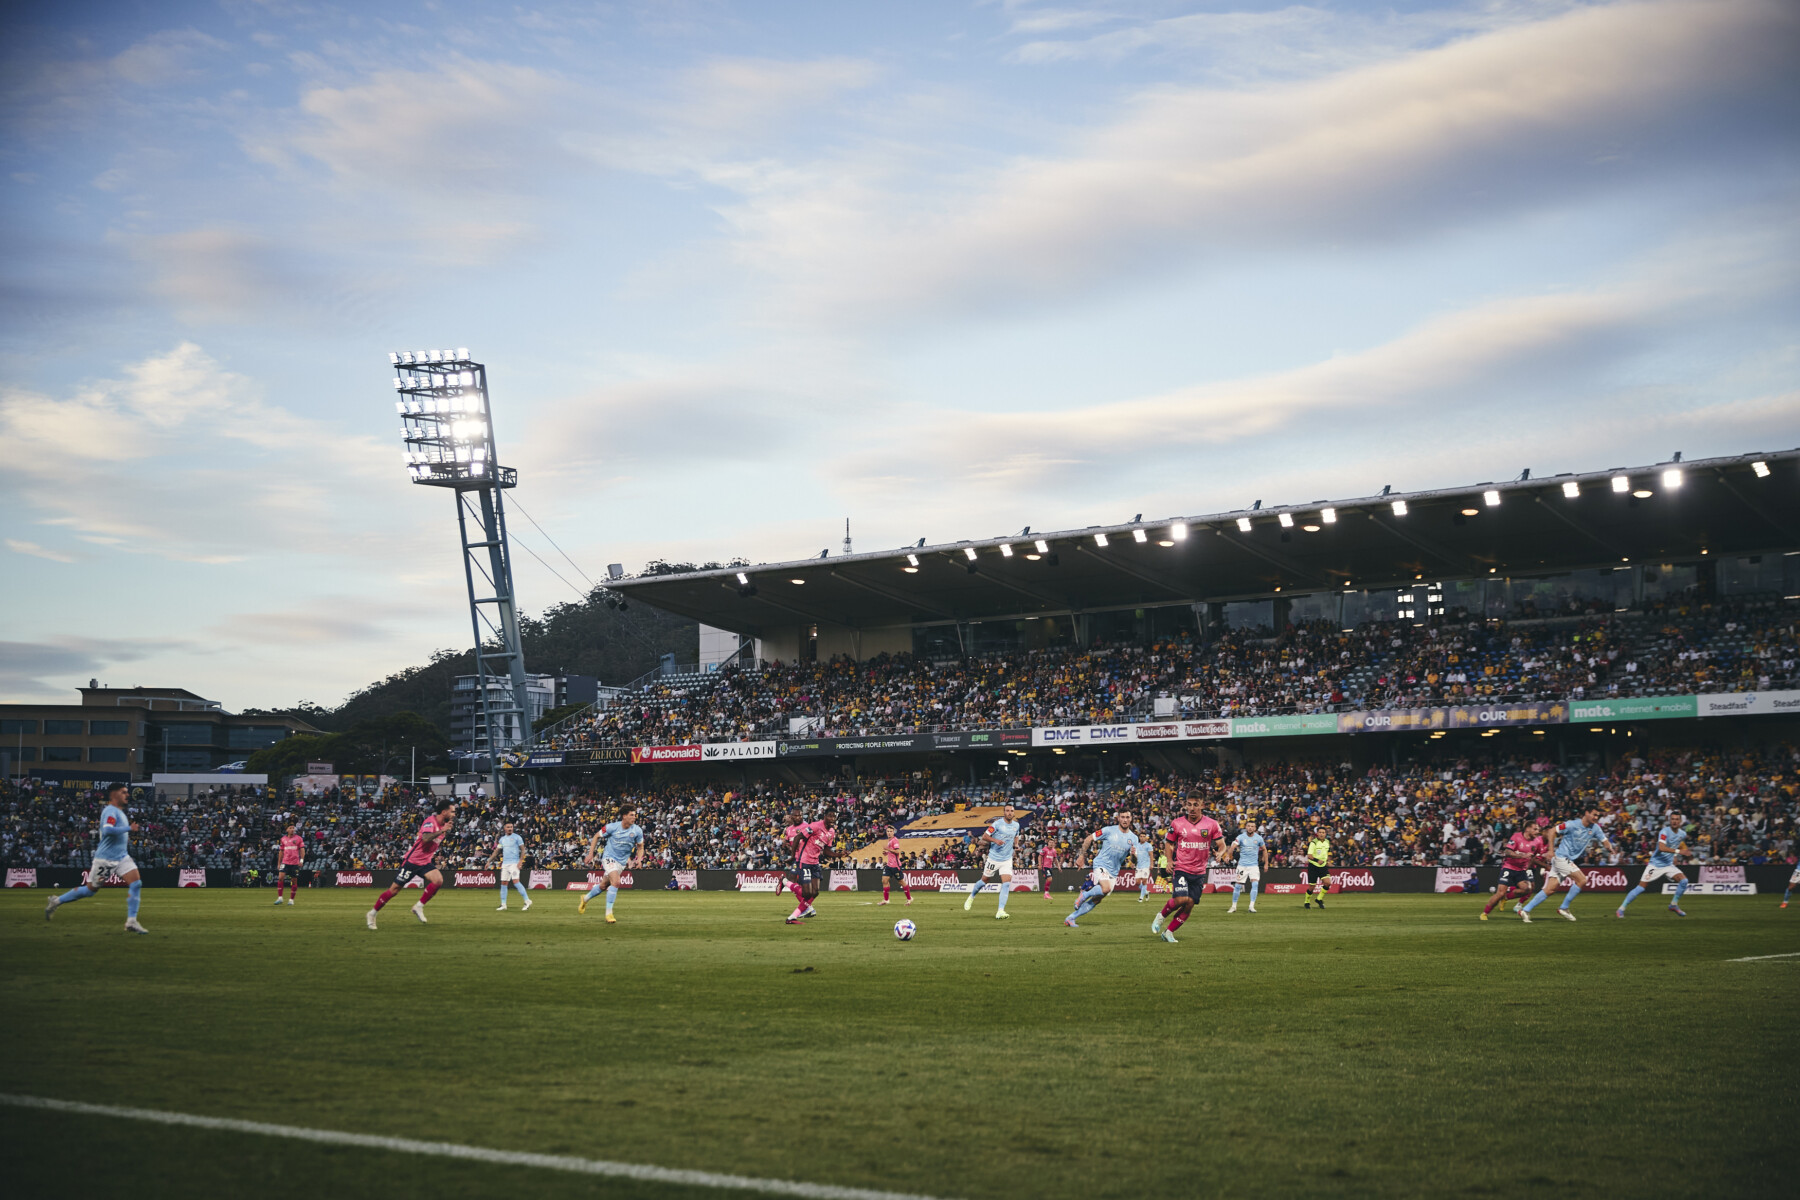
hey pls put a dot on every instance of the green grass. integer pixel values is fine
(1388, 1046)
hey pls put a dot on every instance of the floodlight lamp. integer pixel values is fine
(1243, 524)
(743, 578)
(1043, 547)
(1672, 478)
(912, 560)
(1287, 521)
(393, 356)
(1399, 508)
(1328, 516)
(1310, 528)
(1642, 494)
(1138, 535)
(399, 382)
(969, 553)
(479, 468)
(1761, 469)
(1491, 498)
(1165, 543)
(1571, 489)
(1178, 531)
(462, 353)
(798, 582)
(910, 570)
(1471, 512)
(1005, 550)
(1621, 483)
(400, 406)
(1100, 540)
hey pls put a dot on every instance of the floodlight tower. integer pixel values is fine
(442, 398)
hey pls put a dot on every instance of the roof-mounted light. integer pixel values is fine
(1287, 522)
(1178, 531)
(1399, 508)
(1006, 551)
(1100, 540)
(1328, 516)
(1621, 483)
(1043, 547)
(1672, 477)
(1491, 498)
(1138, 535)
(1761, 469)
(1571, 489)
(1243, 524)
(969, 553)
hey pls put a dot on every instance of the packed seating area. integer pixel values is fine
(1440, 810)
(1741, 645)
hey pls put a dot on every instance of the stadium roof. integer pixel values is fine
(1749, 504)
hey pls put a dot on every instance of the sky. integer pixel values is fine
(742, 271)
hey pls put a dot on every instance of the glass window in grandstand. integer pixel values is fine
(109, 728)
(1250, 614)
(1320, 606)
(1759, 575)
(63, 728)
(62, 753)
(109, 754)
(18, 727)
(253, 737)
(1371, 606)
(20, 753)
(1670, 582)
(189, 760)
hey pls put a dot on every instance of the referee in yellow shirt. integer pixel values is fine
(1318, 866)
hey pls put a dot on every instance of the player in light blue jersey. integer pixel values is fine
(999, 837)
(1573, 839)
(624, 850)
(1252, 858)
(1144, 868)
(1111, 845)
(510, 850)
(1670, 843)
(112, 859)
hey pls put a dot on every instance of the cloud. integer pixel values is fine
(1492, 124)
(48, 670)
(37, 551)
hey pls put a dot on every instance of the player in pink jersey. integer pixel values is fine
(1195, 837)
(1525, 849)
(808, 840)
(1046, 863)
(890, 869)
(287, 867)
(417, 864)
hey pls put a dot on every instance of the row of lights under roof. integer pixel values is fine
(1178, 530)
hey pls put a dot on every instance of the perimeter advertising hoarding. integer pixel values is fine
(1123, 735)
(736, 751)
(665, 754)
(898, 743)
(1634, 708)
(1739, 704)
(1467, 716)
(1301, 723)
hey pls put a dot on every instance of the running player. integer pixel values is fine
(1670, 844)
(1046, 863)
(891, 869)
(417, 863)
(509, 848)
(1253, 856)
(1145, 870)
(624, 850)
(1000, 837)
(1792, 880)
(1524, 850)
(1574, 839)
(287, 864)
(1196, 838)
(112, 858)
(809, 840)
(1115, 842)
(1318, 866)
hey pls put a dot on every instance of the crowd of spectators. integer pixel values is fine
(1442, 810)
(1741, 645)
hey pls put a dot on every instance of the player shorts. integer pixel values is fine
(110, 868)
(1511, 877)
(1652, 873)
(609, 865)
(807, 873)
(1794, 878)
(1188, 884)
(893, 873)
(996, 866)
(288, 868)
(1249, 874)
(1563, 868)
(509, 872)
(411, 871)
(1317, 874)
(1101, 877)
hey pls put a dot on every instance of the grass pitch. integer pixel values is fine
(1387, 1046)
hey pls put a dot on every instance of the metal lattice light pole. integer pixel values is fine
(442, 398)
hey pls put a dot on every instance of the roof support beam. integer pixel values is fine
(1456, 562)
(797, 610)
(1578, 527)
(1787, 531)
(1174, 590)
(898, 597)
(1272, 557)
(1061, 604)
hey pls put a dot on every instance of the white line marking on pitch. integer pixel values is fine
(1761, 957)
(510, 1158)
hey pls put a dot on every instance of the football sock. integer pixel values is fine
(1633, 894)
(1680, 891)
(884, 889)
(1143, 891)
(1084, 908)
(431, 889)
(907, 888)
(1169, 907)
(1004, 889)
(1092, 894)
(1179, 920)
(1254, 884)
(799, 896)
(1536, 900)
(612, 893)
(1237, 889)
(381, 900)
(523, 894)
(503, 895)
(976, 890)
(74, 894)
(1574, 891)
(131, 899)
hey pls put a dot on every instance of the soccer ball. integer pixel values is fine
(904, 930)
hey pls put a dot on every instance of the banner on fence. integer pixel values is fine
(540, 879)
(843, 881)
(25, 877)
(759, 881)
(1714, 889)
(1721, 874)
(1456, 879)
(191, 877)
(686, 880)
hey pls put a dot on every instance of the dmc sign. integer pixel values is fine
(1110, 733)
(1062, 735)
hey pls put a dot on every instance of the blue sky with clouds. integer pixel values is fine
(740, 271)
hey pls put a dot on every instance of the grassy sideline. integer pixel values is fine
(1388, 1046)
